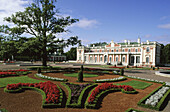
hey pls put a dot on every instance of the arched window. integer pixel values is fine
(128, 50)
(116, 59)
(101, 58)
(110, 59)
(147, 59)
(123, 50)
(123, 59)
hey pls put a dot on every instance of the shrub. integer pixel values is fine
(39, 70)
(122, 71)
(80, 76)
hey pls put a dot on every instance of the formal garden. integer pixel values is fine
(79, 89)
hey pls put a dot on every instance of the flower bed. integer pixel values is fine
(51, 78)
(116, 67)
(145, 79)
(77, 94)
(95, 94)
(13, 73)
(51, 93)
(6, 74)
(110, 80)
(155, 99)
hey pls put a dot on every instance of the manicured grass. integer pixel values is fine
(12, 80)
(84, 75)
(136, 84)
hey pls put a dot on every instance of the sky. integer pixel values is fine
(106, 20)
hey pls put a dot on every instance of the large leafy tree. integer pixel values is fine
(42, 21)
(72, 54)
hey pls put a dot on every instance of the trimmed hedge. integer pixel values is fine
(80, 99)
(44, 105)
(64, 80)
(109, 80)
(99, 96)
(3, 110)
(161, 101)
(131, 110)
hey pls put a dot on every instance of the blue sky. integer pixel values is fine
(106, 20)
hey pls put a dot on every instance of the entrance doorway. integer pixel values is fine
(132, 60)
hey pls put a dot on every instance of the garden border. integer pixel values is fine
(159, 104)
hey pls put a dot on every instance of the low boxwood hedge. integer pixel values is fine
(133, 110)
(3, 110)
(108, 80)
(80, 99)
(159, 104)
(44, 105)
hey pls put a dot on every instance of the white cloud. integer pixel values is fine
(8, 7)
(85, 23)
(164, 26)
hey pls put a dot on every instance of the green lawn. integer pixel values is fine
(13, 80)
(136, 84)
(84, 75)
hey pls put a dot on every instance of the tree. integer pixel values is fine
(166, 53)
(72, 54)
(41, 21)
(98, 44)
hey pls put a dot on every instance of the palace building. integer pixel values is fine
(127, 53)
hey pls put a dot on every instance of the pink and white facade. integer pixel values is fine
(128, 53)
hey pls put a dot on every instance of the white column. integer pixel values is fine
(134, 60)
(127, 58)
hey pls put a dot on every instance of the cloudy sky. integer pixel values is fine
(106, 20)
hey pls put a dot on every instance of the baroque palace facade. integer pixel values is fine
(127, 53)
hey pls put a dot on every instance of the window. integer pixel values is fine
(123, 59)
(136, 50)
(95, 59)
(112, 50)
(137, 59)
(80, 51)
(147, 49)
(97, 50)
(79, 58)
(110, 59)
(128, 50)
(90, 58)
(108, 50)
(84, 58)
(117, 50)
(116, 59)
(147, 59)
(102, 50)
(101, 58)
(123, 50)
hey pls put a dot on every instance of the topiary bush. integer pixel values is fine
(39, 70)
(121, 71)
(80, 74)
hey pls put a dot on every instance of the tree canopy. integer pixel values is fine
(42, 22)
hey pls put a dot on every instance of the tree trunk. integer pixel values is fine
(44, 55)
